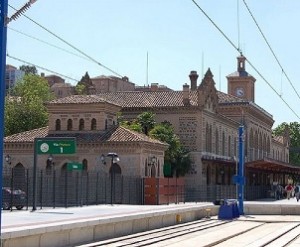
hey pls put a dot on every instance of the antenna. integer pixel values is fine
(219, 77)
(147, 66)
(202, 73)
(238, 25)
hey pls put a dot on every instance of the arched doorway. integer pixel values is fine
(19, 177)
(115, 173)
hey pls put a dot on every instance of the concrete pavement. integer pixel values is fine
(70, 226)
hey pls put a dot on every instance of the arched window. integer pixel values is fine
(223, 143)
(81, 124)
(70, 124)
(208, 138)
(105, 123)
(93, 124)
(229, 146)
(57, 124)
(217, 141)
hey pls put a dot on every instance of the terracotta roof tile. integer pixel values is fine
(27, 136)
(114, 134)
(140, 99)
(79, 99)
(122, 135)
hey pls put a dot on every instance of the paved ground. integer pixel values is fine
(49, 215)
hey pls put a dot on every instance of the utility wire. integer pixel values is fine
(47, 43)
(61, 39)
(265, 39)
(23, 61)
(219, 29)
(237, 48)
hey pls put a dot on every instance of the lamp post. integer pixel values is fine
(8, 159)
(114, 159)
(50, 161)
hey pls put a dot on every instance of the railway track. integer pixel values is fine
(213, 232)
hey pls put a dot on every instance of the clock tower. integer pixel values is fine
(240, 83)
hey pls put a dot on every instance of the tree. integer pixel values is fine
(147, 121)
(132, 125)
(175, 155)
(84, 86)
(293, 131)
(25, 110)
(28, 69)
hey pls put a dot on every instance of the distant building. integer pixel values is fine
(12, 75)
(111, 84)
(53, 79)
(58, 86)
(154, 87)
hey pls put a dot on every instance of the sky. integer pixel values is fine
(161, 41)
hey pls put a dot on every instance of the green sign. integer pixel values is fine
(56, 146)
(74, 166)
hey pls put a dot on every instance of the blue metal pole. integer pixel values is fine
(241, 170)
(3, 39)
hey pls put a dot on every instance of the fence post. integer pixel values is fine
(27, 188)
(143, 191)
(76, 189)
(66, 189)
(157, 190)
(41, 190)
(97, 185)
(54, 188)
(87, 189)
(11, 187)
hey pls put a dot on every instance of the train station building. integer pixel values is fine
(205, 119)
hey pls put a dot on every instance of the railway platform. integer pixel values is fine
(79, 225)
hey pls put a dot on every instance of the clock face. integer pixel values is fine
(239, 92)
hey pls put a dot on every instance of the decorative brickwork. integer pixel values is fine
(188, 132)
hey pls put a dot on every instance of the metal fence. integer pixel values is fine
(79, 188)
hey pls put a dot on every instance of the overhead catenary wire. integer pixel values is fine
(237, 48)
(272, 51)
(47, 43)
(51, 71)
(69, 44)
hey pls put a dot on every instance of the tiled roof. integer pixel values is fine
(149, 99)
(115, 134)
(162, 99)
(228, 98)
(79, 99)
(122, 134)
(135, 99)
(27, 136)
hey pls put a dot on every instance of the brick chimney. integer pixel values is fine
(154, 87)
(193, 77)
(186, 94)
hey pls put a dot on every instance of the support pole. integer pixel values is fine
(241, 170)
(3, 40)
(111, 180)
